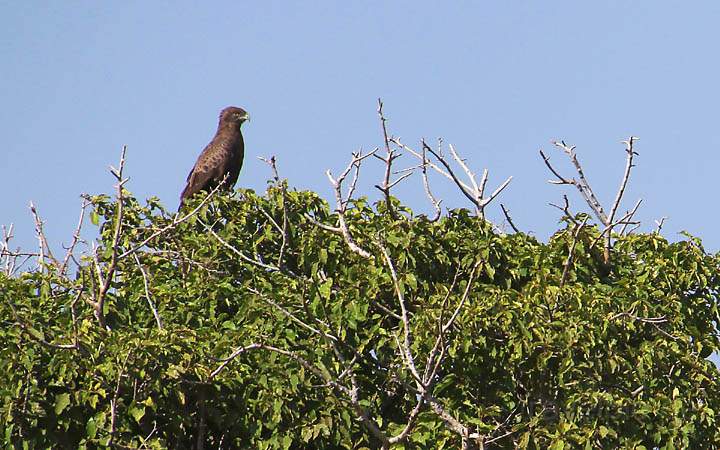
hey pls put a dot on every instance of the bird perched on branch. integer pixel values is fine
(221, 159)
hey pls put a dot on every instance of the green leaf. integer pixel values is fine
(137, 412)
(61, 402)
(91, 428)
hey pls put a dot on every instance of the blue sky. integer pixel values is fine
(499, 80)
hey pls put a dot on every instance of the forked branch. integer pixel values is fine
(342, 202)
(583, 186)
(472, 189)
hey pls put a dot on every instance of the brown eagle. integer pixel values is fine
(222, 157)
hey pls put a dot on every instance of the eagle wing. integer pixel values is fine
(207, 172)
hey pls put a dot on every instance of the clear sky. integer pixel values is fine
(498, 79)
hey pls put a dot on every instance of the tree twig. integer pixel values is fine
(44, 248)
(158, 321)
(106, 280)
(342, 203)
(509, 219)
(75, 238)
(571, 251)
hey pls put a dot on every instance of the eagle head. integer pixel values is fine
(233, 114)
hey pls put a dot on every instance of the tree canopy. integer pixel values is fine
(276, 320)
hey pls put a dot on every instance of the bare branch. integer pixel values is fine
(106, 280)
(470, 174)
(660, 224)
(116, 395)
(44, 248)
(624, 221)
(496, 192)
(390, 156)
(34, 334)
(629, 315)
(405, 346)
(565, 209)
(286, 225)
(509, 219)
(10, 256)
(623, 184)
(343, 202)
(292, 316)
(464, 188)
(426, 185)
(75, 238)
(628, 216)
(177, 220)
(322, 225)
(242, 255)
(273, 166)
(475, 192)
(225, 361)
(147, 293)
(571, 251)
(560, 178)
(582, 184)
(360, 412)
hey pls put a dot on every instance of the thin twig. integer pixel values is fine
(242, 255)
(147, 293)
(623, 184)
(177, 220)
(405, 347)
(390, 156)
(426, 185)
(571, 251)
(509, 219)
(660, 224)
(475, 192)
(342, 203)
(106, 280)
(44, 248)
(75, 238)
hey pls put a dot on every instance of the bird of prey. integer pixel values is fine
(221, 158)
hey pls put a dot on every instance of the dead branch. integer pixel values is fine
(565, 209)
(660, 224)
(342, 203)
(571, 251)
(9, 255)
(360, 412)
(284, 231)
(627, 218)
(322, 225)
(626, 176)
(475, 192)
(405, 346)
(75, 238)
(509, 219)
(114, 399)
(44, 248)
(242, 255)
(390, 156)
(177, 220)
(426, 185)
(292, 316)
(583, 186)
(624, 221)
(147, 292)
(106, 280)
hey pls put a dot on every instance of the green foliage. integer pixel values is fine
(608, 356)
